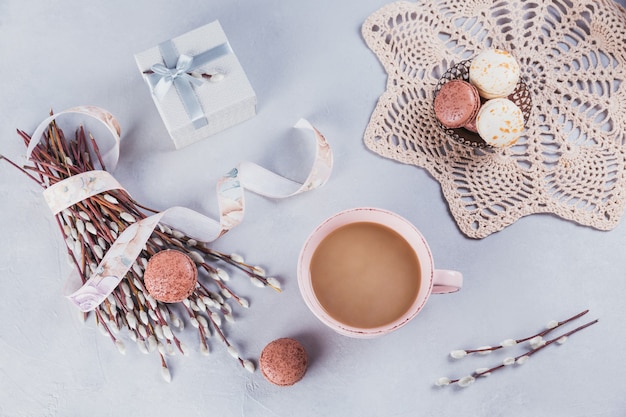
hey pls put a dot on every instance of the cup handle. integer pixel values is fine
(447, 281)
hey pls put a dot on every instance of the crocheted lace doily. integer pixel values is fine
(571, 160)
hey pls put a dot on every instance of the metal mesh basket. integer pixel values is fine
(520, 96)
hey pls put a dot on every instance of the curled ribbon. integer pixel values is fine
(230, 190)
(175, 71)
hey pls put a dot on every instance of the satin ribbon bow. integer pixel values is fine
(175, 71)
(177, 75)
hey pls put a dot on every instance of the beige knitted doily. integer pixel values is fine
(571, 160)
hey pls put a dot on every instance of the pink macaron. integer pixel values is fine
(283, 362)
(457, 104)
(170, 276)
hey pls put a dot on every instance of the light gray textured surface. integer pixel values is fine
(304, 59)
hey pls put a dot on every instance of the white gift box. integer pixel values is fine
(197, 84)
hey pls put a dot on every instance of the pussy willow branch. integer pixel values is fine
(540, 334)
(91, 226)
(488, 371)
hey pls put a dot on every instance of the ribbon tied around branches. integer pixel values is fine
(127, 247)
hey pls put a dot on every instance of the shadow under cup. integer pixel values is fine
(365, 272)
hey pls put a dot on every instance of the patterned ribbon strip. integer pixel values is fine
(175, 71)
(125, 250)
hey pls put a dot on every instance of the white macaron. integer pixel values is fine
(500, 122)
(494, 73)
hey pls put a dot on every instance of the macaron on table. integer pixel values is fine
(283, 361)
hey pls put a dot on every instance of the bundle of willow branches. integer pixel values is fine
(91, 226)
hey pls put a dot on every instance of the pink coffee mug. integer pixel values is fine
(432, 281)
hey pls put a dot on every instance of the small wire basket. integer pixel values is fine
(520, 96)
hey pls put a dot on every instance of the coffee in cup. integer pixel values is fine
(365, 272)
